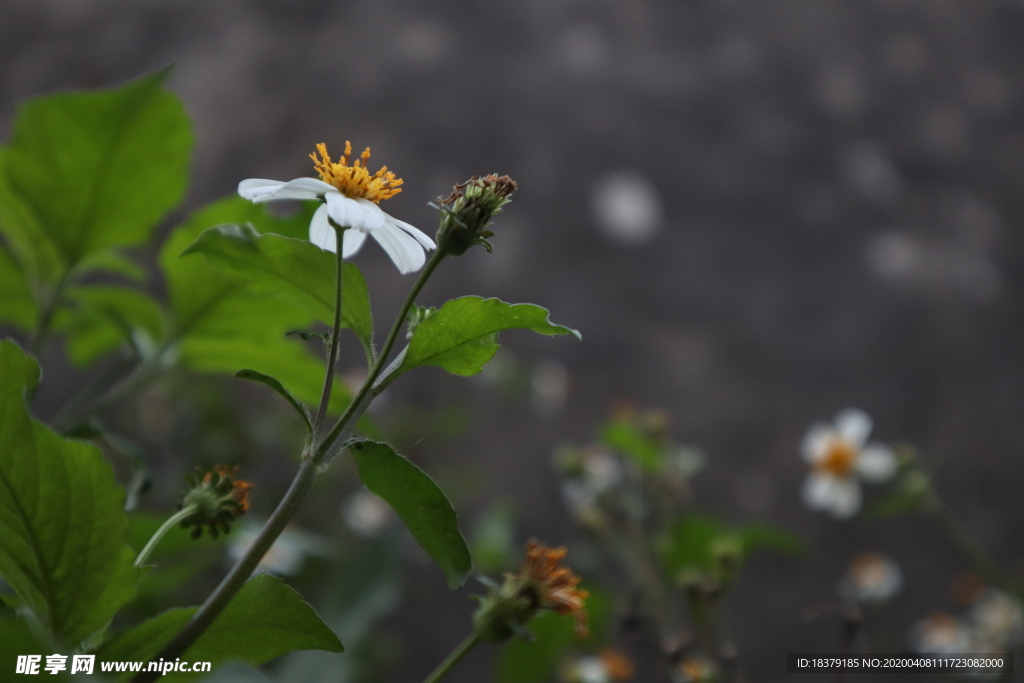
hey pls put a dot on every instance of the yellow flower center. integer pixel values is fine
(840, 457)
(354, 180)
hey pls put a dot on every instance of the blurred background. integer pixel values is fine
(756, 213)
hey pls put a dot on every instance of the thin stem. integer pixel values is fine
(965, 543)
(304, 478)
(362, 399)
(332, 357)
(456, 656)
(43, 328)
(164, 528)
(241, 572)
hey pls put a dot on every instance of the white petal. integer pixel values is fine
(352, 242)
(373, 217)
(817, 491)
(320, 231)
(255, 188)
(854, 425)
(403, 249)
(845, 498)
(815, 444)
(299, 188)
(876, 463)
(418, 234)
(344, 211)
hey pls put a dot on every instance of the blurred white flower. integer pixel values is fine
(349, 194)
(838, 455)
(549, 386)
(626, 207)
(695, 668)
(871, 578)
(608, 666)
(940, 634)
(996, 620)
(366, 514)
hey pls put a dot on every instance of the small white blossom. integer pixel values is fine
(366, 514)
(940, 634)
(839, 456)
(871, 578)
(349, 194)
(996, 619)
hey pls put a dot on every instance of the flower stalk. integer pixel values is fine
(169, 524)
(332, 356)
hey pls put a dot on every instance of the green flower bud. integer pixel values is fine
(467, 212)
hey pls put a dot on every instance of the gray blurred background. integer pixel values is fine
(756, 212)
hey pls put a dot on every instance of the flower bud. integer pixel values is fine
(541, 583)
(218, 498)
(467, 212)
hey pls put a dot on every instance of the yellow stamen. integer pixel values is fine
(354, 180)
(839, 459)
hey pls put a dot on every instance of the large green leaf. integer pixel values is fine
(266, 619)
(62, 523)
(419, 503)
(18, 307)
(98, 318)
(461, 336)
(294, 269)
(93, 170)
(223, 327)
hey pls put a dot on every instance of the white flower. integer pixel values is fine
(940, 634)
(871, 578)
(366, 514)
(997, 619)
(838, 455)
(349, 194)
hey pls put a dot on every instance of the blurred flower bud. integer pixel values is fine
(467, 212)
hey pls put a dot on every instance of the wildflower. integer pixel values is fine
(467, 212)
(608, 666)
(838, 455)
(218, 498)
(694, 668)
(350, 195)
(996, 620)
(871, 578)
(366, 514)
(541, 583)
(940, 634)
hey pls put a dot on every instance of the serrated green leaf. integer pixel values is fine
(223, 327)
(99, 318)
(62, 523)
(420, 504)
(266, 619)
(254, 376)
(19, 308)
(461, 336)
(294, 269)
(98, 169)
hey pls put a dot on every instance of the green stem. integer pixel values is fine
(332, 357)
(312, 458)
(965, 543)
(456, 656)
(46, 319)
(164, 528)
(365, 395)
(240, 573)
